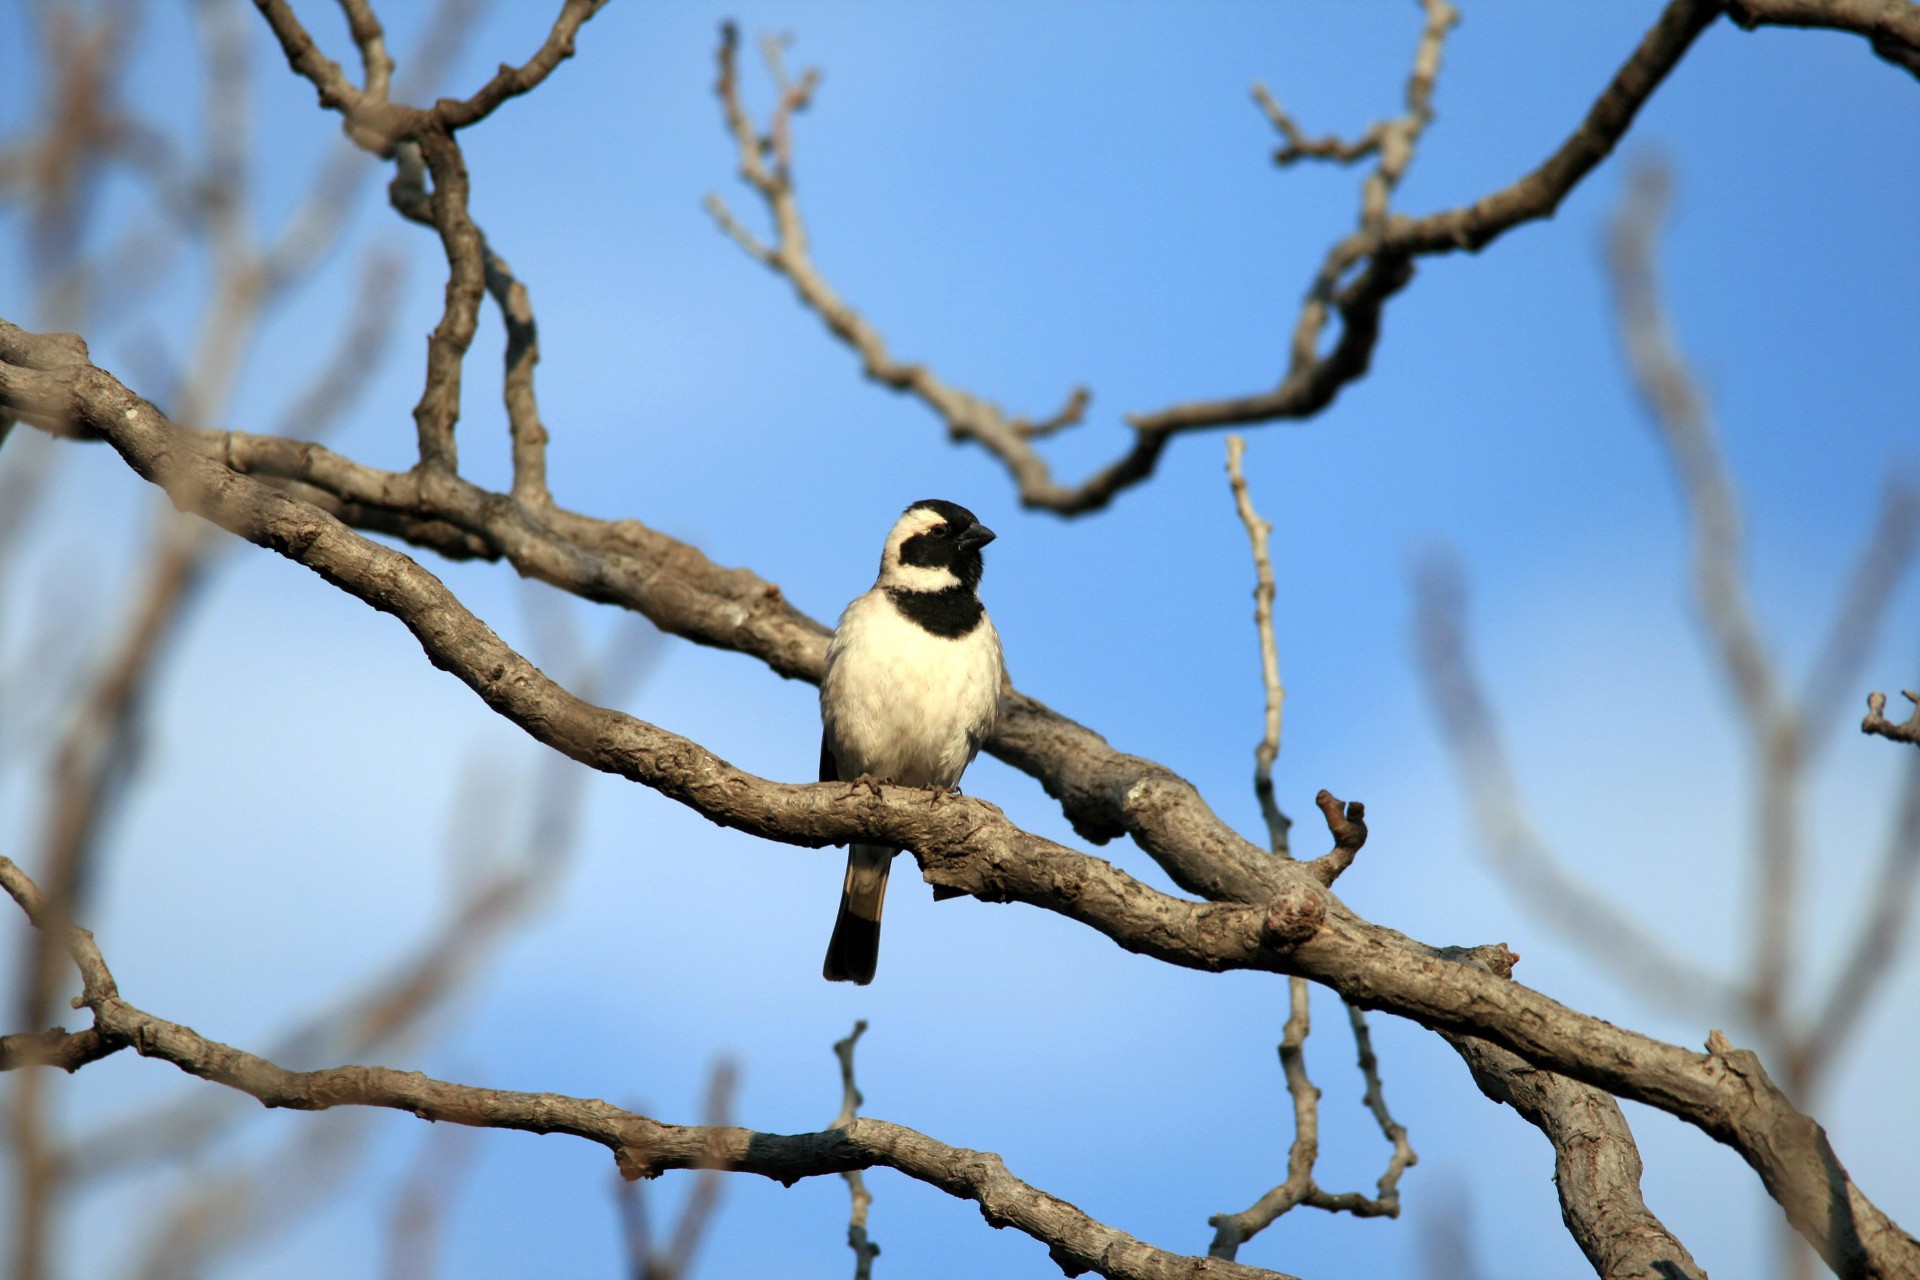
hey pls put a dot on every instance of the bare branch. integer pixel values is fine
(1354, 282)
(1387, 1191)
(1298, 146)
(55, 1047)
(864, 1249)
(1347, 824)
(1268, 749)
(1231, 1230)
(1393, 141)
(511, 82)
(1907, 730)
(1892, 26)
(1301, 1187)
(966, 845)
(1883, 562)
(376, 64)
(1596, 1166)
(643, 1147)
(1686, 429)
(409, 196)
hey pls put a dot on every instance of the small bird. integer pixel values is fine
(911, 691)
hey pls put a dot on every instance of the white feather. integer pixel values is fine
(903, 704)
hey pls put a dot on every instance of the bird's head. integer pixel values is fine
(934, 546)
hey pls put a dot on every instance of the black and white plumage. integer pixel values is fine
(911, 691)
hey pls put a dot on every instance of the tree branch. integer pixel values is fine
(964, 844)
(643, 1147)
(1596, 1166)
(1907, 730)
(1354, 282)
(1891, 26)
(1268, 748)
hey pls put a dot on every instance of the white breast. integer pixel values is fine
(905, 705)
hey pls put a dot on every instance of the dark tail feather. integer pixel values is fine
(854, 949)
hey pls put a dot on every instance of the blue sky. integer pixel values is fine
(1028, 198)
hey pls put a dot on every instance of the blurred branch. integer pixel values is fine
(424, 1200)
(1611, 937)
(1883, 562)
(399, 998)
(644, 1262)
(1685, 427)
(1888, 917)
(221, 1213)
(864, 1249)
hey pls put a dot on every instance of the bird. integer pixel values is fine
(911, 691)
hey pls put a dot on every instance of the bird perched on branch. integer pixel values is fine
(911, 691)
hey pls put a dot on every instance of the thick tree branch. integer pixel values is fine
(1596, 1166)
(1891, 26)
(967, 845)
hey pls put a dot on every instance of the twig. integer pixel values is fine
(1883, 562)
(1268, 749)
(1393, 141)
(511, 82)
(1907, 730)
(1387, 1191)
(1347, 824)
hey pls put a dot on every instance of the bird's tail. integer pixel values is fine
(855, 947)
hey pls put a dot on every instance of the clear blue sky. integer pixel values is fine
(1031, 197)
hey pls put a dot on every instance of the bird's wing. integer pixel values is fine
(829, 769)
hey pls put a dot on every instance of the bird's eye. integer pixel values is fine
(941, 531)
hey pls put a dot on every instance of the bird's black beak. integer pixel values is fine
(976, 535)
